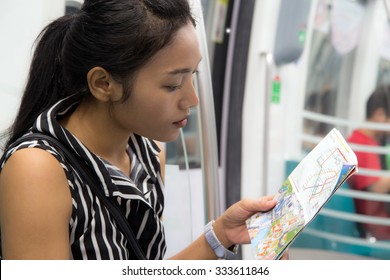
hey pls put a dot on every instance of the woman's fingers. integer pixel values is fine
(258, 205)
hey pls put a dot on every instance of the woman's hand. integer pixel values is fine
(230, 228)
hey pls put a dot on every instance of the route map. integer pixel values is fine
(302, 195)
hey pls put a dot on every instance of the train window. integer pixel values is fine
(384, 72)
(336, 37)
(384, 51)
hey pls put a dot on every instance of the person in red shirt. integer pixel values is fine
(377, 110)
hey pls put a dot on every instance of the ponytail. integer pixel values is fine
(45, 85)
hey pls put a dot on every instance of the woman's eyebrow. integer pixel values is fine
(182, 70)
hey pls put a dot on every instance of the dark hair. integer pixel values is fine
(380, 98)
(118, 35)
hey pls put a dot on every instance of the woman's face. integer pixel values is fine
(163, 90)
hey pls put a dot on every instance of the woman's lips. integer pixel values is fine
(181, 123)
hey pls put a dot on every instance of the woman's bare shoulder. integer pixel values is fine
(35, 205)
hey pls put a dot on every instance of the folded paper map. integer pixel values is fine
(307, 189)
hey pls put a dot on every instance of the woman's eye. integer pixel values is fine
(173, 88)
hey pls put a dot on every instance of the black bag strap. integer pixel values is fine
(95, 185)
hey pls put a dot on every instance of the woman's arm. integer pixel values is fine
(230, 228)
(35, 207)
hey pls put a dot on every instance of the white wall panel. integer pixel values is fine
(20, 23)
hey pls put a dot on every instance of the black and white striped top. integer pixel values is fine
(93, 233)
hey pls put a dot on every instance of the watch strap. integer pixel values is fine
(220, 251)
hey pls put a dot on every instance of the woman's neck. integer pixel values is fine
(93, 126)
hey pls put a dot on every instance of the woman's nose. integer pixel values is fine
(190, 98)
(194, 100)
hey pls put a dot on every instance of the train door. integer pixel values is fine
(295, 94)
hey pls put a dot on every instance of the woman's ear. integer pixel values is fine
(102, 86)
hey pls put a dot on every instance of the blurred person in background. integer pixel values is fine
(377, 110)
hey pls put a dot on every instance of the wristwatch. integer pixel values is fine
(220, 251)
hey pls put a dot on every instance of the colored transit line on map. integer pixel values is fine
(303, 194)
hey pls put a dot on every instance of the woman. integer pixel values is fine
(105, 82)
